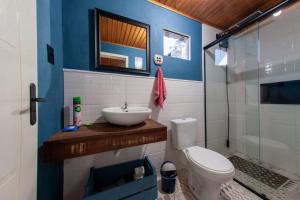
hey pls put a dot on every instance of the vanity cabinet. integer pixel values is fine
(101, 137)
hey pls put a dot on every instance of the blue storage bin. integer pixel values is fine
(116, 182)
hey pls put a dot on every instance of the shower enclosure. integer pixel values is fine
(252, 95)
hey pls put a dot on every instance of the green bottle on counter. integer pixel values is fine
(77, 118)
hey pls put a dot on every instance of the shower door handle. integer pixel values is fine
(33, 101)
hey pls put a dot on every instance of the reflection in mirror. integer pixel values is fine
(122, 44)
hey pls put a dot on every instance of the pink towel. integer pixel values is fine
(160, 92)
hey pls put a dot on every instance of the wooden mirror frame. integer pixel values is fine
(98, 13)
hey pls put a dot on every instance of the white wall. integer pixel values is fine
(208, 35)
(99, 90)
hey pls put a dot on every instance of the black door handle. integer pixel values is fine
(33, 101)
(38, 100)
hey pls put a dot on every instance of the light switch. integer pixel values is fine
(50, 54)
(158, 59)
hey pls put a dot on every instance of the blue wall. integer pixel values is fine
(50, 86)
(126, 51)
(78, 48)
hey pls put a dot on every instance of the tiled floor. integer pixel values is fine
(230, 191)
(289, 190)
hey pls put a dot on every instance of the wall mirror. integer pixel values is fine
(121, 44)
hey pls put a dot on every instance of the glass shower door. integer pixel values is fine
(279, 113)
(216, 99)
(252, 104)
(244, 109)
(232, 103)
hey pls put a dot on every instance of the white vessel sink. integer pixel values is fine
(126, 117)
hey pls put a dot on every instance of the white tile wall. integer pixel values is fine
(208, 35)
(99, 90)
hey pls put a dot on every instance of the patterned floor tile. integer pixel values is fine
(258, 172)
(274, 188)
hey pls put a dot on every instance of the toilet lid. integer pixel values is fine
(209, 159)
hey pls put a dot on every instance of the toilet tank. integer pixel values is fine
(184, 132)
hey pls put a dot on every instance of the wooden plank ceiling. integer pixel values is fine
(121, 33)
(221, 14)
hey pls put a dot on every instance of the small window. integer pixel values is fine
(220, 57)
(177, 45)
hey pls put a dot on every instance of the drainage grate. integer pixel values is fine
(261, 174)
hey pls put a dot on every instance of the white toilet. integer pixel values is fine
(207, 169)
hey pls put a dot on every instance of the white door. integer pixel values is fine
(18, 68)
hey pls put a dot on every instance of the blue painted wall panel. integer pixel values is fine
(78, 46)
(50, 86)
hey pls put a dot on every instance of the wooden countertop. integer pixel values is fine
(101, 137)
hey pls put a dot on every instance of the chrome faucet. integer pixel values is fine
(125, 106)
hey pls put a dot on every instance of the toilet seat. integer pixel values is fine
(209, 163)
